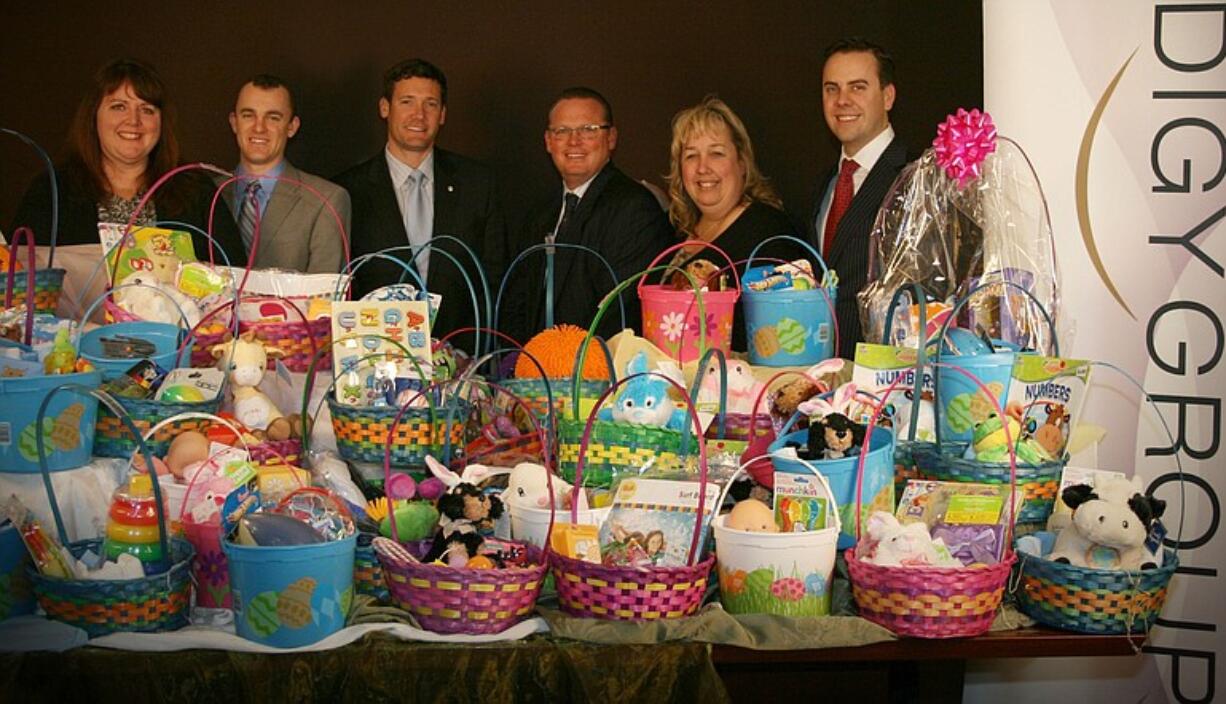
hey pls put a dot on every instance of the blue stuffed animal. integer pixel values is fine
(644, 400)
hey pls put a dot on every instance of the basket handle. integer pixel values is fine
(549, 252)
(470, 375)
(55, 193)
(921, 352)
(832, 511)
(702, 454)
(123, 416)
(1009, 443)
(791, 238)
(255, 234)
(681, 245)
(536, 426)
(959, 305)
(432, 247)
(11, 279)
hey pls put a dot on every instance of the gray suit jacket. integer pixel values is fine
(297, 231)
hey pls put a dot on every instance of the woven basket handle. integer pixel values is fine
(551, 413)
(307, 415)
(833, 509)
(115, 408)
(1009, 443)
(432, 247)
(55, 192)
(22, 233)
(702, 454)
(549, 249)
(936, 378)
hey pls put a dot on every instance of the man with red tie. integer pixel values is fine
(857, 96)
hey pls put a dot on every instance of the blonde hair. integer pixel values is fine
(705, 118)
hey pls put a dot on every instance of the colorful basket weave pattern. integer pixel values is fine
(297, 341)
(626, 593)
(1038, 484)
(112, 439)
(929, 602)
(361, 432)
(905, 468)
(532, 392)
(276, 452)
(1093, 601)
(462, 600)
(210, 333)
(158, 602)
(367, 572)
(48, 284)
(614, 445)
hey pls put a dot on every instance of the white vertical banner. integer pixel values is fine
(1121, 105)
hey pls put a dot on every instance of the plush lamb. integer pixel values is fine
(528, 486)
(1111, 522)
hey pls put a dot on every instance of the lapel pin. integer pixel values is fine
(450, 189)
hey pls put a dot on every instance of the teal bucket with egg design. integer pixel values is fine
(788, 327)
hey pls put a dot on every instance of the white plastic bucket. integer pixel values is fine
(531, 525)
(778, 573)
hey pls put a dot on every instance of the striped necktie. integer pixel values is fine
(250, 213)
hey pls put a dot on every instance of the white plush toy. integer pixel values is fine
(743, 387)
(145, 301)
(1111, 522)
(907, 545)
(246, 359)
(528, 486)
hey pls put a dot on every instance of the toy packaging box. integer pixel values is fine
(153, 249)
(652, 522)
(1047, 395)
(371, 367)
(972, 519)
(879, 366)
(800, 503)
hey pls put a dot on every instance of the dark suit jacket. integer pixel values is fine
(465, 207)
(78, 221)
(619, 218)
(849, 255)
(297, 231)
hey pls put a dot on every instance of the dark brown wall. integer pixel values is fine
(504, 62)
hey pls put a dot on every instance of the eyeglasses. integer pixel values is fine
(585, 132)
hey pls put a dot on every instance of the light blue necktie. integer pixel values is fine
(418, 218)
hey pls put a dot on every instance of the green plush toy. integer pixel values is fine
(414, 521)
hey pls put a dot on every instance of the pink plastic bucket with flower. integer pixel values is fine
(676, 323)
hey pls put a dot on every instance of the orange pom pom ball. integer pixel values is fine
(556, 350)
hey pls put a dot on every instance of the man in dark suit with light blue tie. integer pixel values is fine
(412, 191)
(857, 94)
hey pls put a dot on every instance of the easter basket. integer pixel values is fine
(930, 602)
(610, 445)
(48, 282)
(685, 323)
(1037, 478)
(156, 602)
(591, 590)
(466, 600)
(793, 326)
(1098, 601)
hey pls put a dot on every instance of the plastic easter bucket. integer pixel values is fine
(788, 574)
(789, 327)
(841, 473)
(671, 318)
(210, 569)
(16, 594)
(961, 404)
(291, 596)
(165, 339)
(531, 525)
(69, 424)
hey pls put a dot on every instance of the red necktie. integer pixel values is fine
(844, 190)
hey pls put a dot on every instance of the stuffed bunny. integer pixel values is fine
(898, 545)
(528, 486)
(644, 400)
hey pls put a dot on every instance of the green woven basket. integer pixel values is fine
(1039, 484)
(361, 432)
(614, 446)
(112, 439)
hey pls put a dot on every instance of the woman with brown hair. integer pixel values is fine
(122, 140)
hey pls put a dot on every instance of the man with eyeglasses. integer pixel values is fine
(596, 206)
(412, 191)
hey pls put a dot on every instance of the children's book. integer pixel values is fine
(1047, 395)
(155, 250)
(367, 355)
(879, 366)
(652, 523)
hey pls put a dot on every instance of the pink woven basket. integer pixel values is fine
(590, 590)
(461, 599)
(931, 602)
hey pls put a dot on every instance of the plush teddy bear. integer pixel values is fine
(1111, 522)
(890, 543)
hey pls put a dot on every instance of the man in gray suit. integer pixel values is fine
(296, 229)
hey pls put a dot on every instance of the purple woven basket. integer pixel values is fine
(463, 600)
(590, 590)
